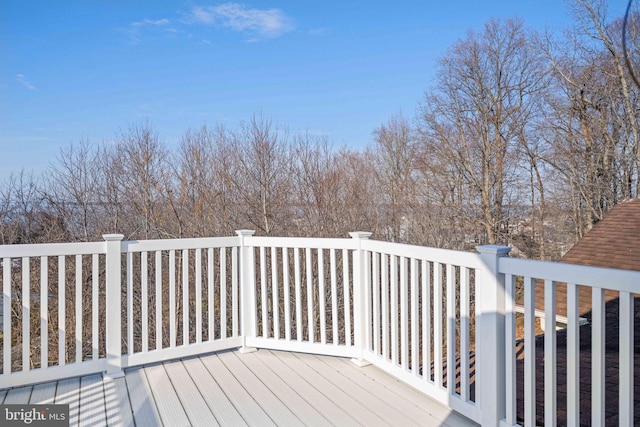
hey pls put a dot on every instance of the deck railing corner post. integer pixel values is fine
(247, 291)
(113, 305)
(491, 373)
(360, 318)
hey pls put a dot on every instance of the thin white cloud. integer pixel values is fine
(150, 22)
(136, 30)
(268, 23)
(24, 82)
(318, 31)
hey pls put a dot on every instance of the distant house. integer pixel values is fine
(614, 242)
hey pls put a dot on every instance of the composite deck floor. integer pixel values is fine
(232, 389)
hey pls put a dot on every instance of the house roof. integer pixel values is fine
(614, 242)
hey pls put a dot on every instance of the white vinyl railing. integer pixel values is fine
(623, 285)
(47, 326)
(304, 291)
(182, 298)
(423, 311)
(442, 321)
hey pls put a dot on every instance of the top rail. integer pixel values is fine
(178, 244)
(52, 249)
(444, 256)
(301, 242)
(597, 277)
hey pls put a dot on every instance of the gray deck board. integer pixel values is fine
(216, 399)
(43, 394)
(167, 401)
(68, 392)
(192, 401)
(302, 409)
(260, 392)
(257, 389)
(402, 395)
(348, 403)
(330, 410)
(348, 381)
(143, 404)
(253, 414)
(116, 402)
(92, 401)
(409, 402)
(18, 395)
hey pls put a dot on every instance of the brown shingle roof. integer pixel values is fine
(614, 242)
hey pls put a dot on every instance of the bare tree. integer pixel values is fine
(141, 171)
(593, 117)
(473, 119)
(395, 151)
(72, 189)
(262, 174)
(203, 203)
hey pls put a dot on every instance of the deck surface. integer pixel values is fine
(256, 389)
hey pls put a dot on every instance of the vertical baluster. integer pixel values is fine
(44, 312)
(451, 329)
(130, 320)
(321, 298)
(26, 314)
(367, 301)
(426, 321)
(95, 306)
(234, 292)
(172, 298)
(529, 352)
(274, 292)
(394, 310)
(437, 322)
(287, 294)
(185, 297)
(6, 313)
(62, 300)
(375, 291)
(310, 319)
(573, 353)
(404, 314)
(263, 292)
(550, 384)
(211, 293)
(223, 292)
(78, 308)
(385, 306)
(626, 401)
(347, 298)
(464, 338)
(597, 358)
(198, 295)
(414, 317)
(334, 296)
(296, 264)
(144, 292)
(158, 265)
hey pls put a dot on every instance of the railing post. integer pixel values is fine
(490, 323)
(113, 306)
(247, 291)
(360, 293)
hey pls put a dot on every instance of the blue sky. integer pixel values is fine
(86, 69)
